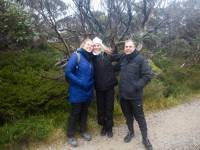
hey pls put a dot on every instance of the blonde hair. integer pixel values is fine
(104, 47)
(85, 41)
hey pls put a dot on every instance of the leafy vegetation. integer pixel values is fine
(26, 85)
(33, 100)
(16, 30)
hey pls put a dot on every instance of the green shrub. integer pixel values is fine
(24, 131)
(180, 81)
(163, 62)
(25, 87)
(154, 90)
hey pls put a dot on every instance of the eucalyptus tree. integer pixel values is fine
(46, 13)
(121, 19)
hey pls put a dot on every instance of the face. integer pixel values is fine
(96, 47)
(88, 46)
(129, 47)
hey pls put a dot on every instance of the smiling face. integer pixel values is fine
(88, 46)
(96, 47)
(129, 47)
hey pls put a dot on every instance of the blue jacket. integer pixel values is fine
(80, 77)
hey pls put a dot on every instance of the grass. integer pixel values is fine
(24, 131)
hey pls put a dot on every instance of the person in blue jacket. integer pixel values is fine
(79, 72)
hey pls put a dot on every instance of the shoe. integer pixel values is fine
(73, 142)
(147, 144)
(86, 136)
(103, 131)
(109, 134)
(128, 137)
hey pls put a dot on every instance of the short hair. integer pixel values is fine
(130, 40)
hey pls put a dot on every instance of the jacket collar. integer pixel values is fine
(87, 55)
(132, 55)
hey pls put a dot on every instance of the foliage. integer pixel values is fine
(25, 87)
(15, 26)
(154, 90)
(156, 70)
(23, 131)
(179, 48)
(177, 80)
(163, 62)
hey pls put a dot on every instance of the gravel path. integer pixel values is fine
(173, 129)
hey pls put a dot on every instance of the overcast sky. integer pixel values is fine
(95, 4)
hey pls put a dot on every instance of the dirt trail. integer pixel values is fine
(173, 129)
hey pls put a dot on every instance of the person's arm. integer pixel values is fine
(71, 68)
(116, 57)
(146, 74)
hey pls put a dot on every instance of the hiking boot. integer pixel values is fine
(73, 142)
(103, 131)
(86, 136)
(147, 144)
(128, 137)
(109, 134)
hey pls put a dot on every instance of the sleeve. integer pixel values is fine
(116, 57)
(146, 74)
(70, 69)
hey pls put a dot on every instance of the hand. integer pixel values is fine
(108, 51)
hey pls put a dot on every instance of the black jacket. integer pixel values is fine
(104, 74)
(135, 73)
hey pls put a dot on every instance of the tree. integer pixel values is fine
(15, 26)
(121, 19)
(48, 12)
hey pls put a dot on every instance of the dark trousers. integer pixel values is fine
(79, 112)
(105, 108)
(134, 109)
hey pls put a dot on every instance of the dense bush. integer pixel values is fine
(26, 86)
(177, 80)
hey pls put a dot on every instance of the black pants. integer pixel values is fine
(79, 112)
(134, 109)
(105, 108)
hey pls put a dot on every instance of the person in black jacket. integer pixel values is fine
(135, 73)
(104, 81)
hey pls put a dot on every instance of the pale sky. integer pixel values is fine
(95, 4)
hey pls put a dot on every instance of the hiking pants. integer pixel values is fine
(79, 112)
(134, 109)
(105, 108)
